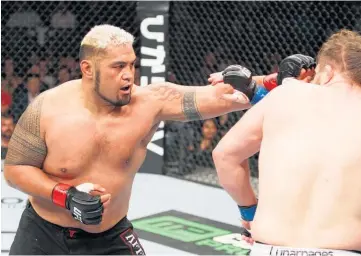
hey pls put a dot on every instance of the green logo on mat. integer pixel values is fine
(192, 233)
(179, 229)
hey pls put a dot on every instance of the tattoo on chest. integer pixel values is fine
(26, 146)
(189, 106)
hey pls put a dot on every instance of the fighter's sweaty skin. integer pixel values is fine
(320, 204)
(72, 145)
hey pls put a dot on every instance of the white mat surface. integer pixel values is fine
(151, 194)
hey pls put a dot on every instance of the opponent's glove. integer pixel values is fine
(241, 79)
(290, 66)
(84, 207)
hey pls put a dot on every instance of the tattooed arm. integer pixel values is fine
(187, 103)
(26, 153)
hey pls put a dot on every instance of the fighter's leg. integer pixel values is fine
(36, 236)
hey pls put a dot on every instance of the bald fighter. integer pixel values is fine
(309, 200)
(95, 131)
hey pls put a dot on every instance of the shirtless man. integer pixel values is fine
(310, 160)
(95, 131)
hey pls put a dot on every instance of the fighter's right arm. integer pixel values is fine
(27, 151)
(26, 154)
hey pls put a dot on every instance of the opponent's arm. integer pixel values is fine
(187, 103)
(22, 170)
(231, 154)
(259, 79)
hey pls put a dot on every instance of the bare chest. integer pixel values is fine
(77, 141)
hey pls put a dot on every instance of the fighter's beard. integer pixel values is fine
(119, 103)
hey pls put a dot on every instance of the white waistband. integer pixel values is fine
(270, 250)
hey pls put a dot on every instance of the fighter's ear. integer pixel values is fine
(329, 72)
(87, 68)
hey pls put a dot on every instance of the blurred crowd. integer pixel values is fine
(18, 89)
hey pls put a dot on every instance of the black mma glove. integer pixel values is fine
(290, 66)
(84, 207)
(241, 79)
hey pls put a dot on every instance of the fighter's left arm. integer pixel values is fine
(187, 103)
(231, 154)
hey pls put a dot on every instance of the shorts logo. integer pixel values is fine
(300, 252)
(131, 239)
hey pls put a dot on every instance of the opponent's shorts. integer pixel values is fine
(36, 236)
(260, 249)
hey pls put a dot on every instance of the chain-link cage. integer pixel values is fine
(40, 43)
(205, 37)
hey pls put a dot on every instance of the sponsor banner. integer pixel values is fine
(153, 19)
(192, 234)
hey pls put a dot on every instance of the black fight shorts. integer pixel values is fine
(37, 236)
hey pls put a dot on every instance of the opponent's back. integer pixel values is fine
(310, 167)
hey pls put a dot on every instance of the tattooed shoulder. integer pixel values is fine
(165, 91)
(26, 146)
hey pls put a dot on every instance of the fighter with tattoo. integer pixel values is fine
(95, 131)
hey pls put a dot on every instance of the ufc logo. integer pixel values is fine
(77, 214)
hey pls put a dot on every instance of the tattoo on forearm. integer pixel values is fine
(189, 106)
(26, 147)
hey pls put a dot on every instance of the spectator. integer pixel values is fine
(209, 131)
(40, 68)
(64, 75)
(6, 101)
(5, 85)
(71, 63)
(11, 80)
(200, 154)
(73, 66)
(45, 76)
(63, 60)
(7, 128)
(34, 70)
(25, 94)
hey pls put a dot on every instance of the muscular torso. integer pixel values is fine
(310, 194)
(105, 150)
